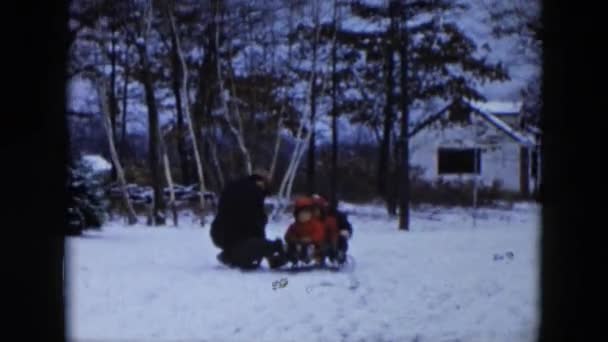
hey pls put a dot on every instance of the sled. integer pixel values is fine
(348, 265)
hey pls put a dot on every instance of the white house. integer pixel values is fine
(469, 140)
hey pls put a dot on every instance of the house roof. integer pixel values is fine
(488, 116)
(429, 120)
(498, 107)
(505, 128)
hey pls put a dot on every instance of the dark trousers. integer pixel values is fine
(248, 254)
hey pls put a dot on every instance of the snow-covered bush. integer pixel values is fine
(87, 202)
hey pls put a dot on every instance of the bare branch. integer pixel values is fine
(224, 97)
(186, 103)
(101, 86)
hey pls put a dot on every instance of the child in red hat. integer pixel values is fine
(305, 237)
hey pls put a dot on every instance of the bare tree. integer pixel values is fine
(176, 87)
(226, 99)
(216, 163)
(113, 99)
(169, 178)
(404, 204)
(101, 86)
(153, 123)
(277, 147)
(125, 98)
(334, 117)
(285, 188)
(302, 140)
(384, 165)
(186, 103)
(283, 193)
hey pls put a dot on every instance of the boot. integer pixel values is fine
(292, 253)
(223, 258)
(279, 256)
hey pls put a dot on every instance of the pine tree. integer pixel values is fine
(441, 64)
(87, 202)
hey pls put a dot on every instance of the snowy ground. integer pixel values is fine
(439, 282)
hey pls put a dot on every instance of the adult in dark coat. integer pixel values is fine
(239, 226)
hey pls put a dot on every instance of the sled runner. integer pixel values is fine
(299, 267)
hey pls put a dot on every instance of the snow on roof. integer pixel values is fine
(97, 162)
(490, 117)
(503, 126)
(498, 107)
(524, 140)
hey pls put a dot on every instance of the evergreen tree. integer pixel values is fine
(87, 202)
(442, 63)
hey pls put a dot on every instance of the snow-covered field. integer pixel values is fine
(443, 281)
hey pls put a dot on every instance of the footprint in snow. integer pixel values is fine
(507, 256)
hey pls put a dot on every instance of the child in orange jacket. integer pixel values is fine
(330, 223)
(337, 229)
(305, 237)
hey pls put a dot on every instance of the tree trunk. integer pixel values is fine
(310, 170)
(199, 141)
(225, 99)
(279, 202)
(384, 155)
(216, 164)
(181, 134)
(334, 122)
(392, 191)
(404, 208)
(203, 114)
(298, 153)
(105, 108)
(277, 148)
(125, 97)
(186, 107)
(153, 144)
(298, 159)
(154, 158)
(169, 178)
(211, 179)
(283, 193)
(113, 98)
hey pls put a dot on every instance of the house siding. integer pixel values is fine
(500, 158)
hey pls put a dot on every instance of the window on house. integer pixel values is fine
(459, 161)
